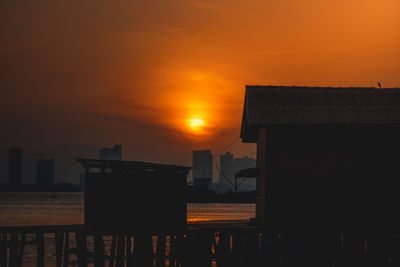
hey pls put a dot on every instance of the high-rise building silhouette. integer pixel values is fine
(202, 164)
(15, 166)
(227, 174)
(113, 153)
(45, 172)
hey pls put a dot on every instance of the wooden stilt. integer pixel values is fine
(81, 245)
(172, 251)
(324, 248)
(184, 250)
(59, 240)
(250, 248)
(144, 250)
(13, 249)
(3, 249)
(112, 252)
(353, 249)
(40, 249)
(129, 254)
(99, 260)
(66, 250)
(120, 250)
(265, 249)
(223, 251)
(20, 252)
(200, 249)
(237, 249)
(160, 260)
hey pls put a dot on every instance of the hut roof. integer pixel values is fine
(130, 165)
(278, 105)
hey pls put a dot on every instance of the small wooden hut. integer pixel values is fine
(131, 196)
(327, 158)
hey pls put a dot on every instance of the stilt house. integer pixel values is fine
(327, 158)
(135, 197)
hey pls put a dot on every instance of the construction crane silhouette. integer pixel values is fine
(222, 174)
(235, 185)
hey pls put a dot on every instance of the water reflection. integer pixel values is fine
(219, 211)
(18, 209)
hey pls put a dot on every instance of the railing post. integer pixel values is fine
(223, 253)
(112, 252)
(40, 249)
(143, 249)
(20, 252)
(59, 240)
(99, 259)
(81, 245)
(3, 249)
(66, 250)
(120, 250)
(160, 261)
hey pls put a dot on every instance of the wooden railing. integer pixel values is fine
(211, 245)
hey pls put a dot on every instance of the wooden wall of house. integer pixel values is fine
(260, 183)
(136, 202)
(329, 177)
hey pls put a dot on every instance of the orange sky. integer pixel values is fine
(91, 74)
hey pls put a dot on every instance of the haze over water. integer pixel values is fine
(21, 209)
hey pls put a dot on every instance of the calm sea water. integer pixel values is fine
(20, 209)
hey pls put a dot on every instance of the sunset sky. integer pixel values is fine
(163, 78)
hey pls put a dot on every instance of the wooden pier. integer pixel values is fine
(223, 243)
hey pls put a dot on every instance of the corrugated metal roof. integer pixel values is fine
(271, 105)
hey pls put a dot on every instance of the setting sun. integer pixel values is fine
(196, 124)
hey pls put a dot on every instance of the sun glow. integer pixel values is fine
(196, 124)
(196, 103)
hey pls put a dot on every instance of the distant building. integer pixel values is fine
(45, 172)
(245, 163)
(227, 173)
(114, 153)
(15, 166)
(202, 165)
